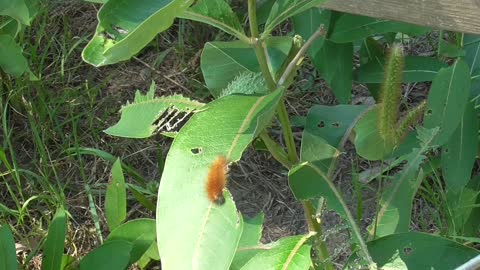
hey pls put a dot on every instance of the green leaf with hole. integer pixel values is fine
(308, 22)
(53, 250)
(281, 10)
(139, 232)
(447, 99)
(148, 114)
(335, 64)
(116, 198)
(216, 13)
(8, 258)
(222, 62)
(395, 206)
(12, 60)
(125, 27)
(459, 152)
(225, 128)
(325, 128)
(291, 253)
(420, 251)
(416, 69)
(249, 244)
(16, 9)
(349, 27)
(112, 255)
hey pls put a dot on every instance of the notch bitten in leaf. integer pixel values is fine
(148, 115)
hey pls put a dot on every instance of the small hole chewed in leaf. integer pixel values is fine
(407, 250)
(321, 124)
(196, 150)
(429, 112)
(336, 124)
(119, 29)
(171, 120)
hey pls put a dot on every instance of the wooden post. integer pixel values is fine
(454, 15)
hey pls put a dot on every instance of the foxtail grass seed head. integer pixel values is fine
(391, 94)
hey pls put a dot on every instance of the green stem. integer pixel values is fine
(252, 18)
(287, 132)
(277, 152)
(291, 158)
(262, 61)
(315, 226)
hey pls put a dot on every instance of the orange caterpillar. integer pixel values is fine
(216, 180)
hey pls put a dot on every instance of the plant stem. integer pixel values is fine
(287, 132)
(262, 61)
(315, 226)
(252, 18)
(295, 61)
(291, 158)
(277, 152)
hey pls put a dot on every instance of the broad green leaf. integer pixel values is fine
(292, 253)
(263, 10)
(369, 143)
(335, 64)
(471, 45)
(249, 244)
(372, 52)
(448, 49)
(116, 198)
(8, 258)
(416, 69)
(9, 27)
(139, 232)
(420, 251)
(395, 206)
(208, 238)
(325, 127)
(246, 83)
(216, 13)
(308, 181)
(462, 209)
(284, 9)
(53, 251)
(16, 9)
(458, 154)
(125, 27)
(308, 22)
(112, 255)
(222, 62)
(68, 262)
(148, 114)
(447, 99)
(12, 60)
(349, 27)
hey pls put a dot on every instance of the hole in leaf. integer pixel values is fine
(119, 29)
(407, 250)
(429, 112)
(196, 150)
(321, 124)
(446, 150)
(336, 124)
(172, 119)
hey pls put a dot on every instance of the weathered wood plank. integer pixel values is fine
(454, 15)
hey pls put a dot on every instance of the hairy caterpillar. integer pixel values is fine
(216, 180)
